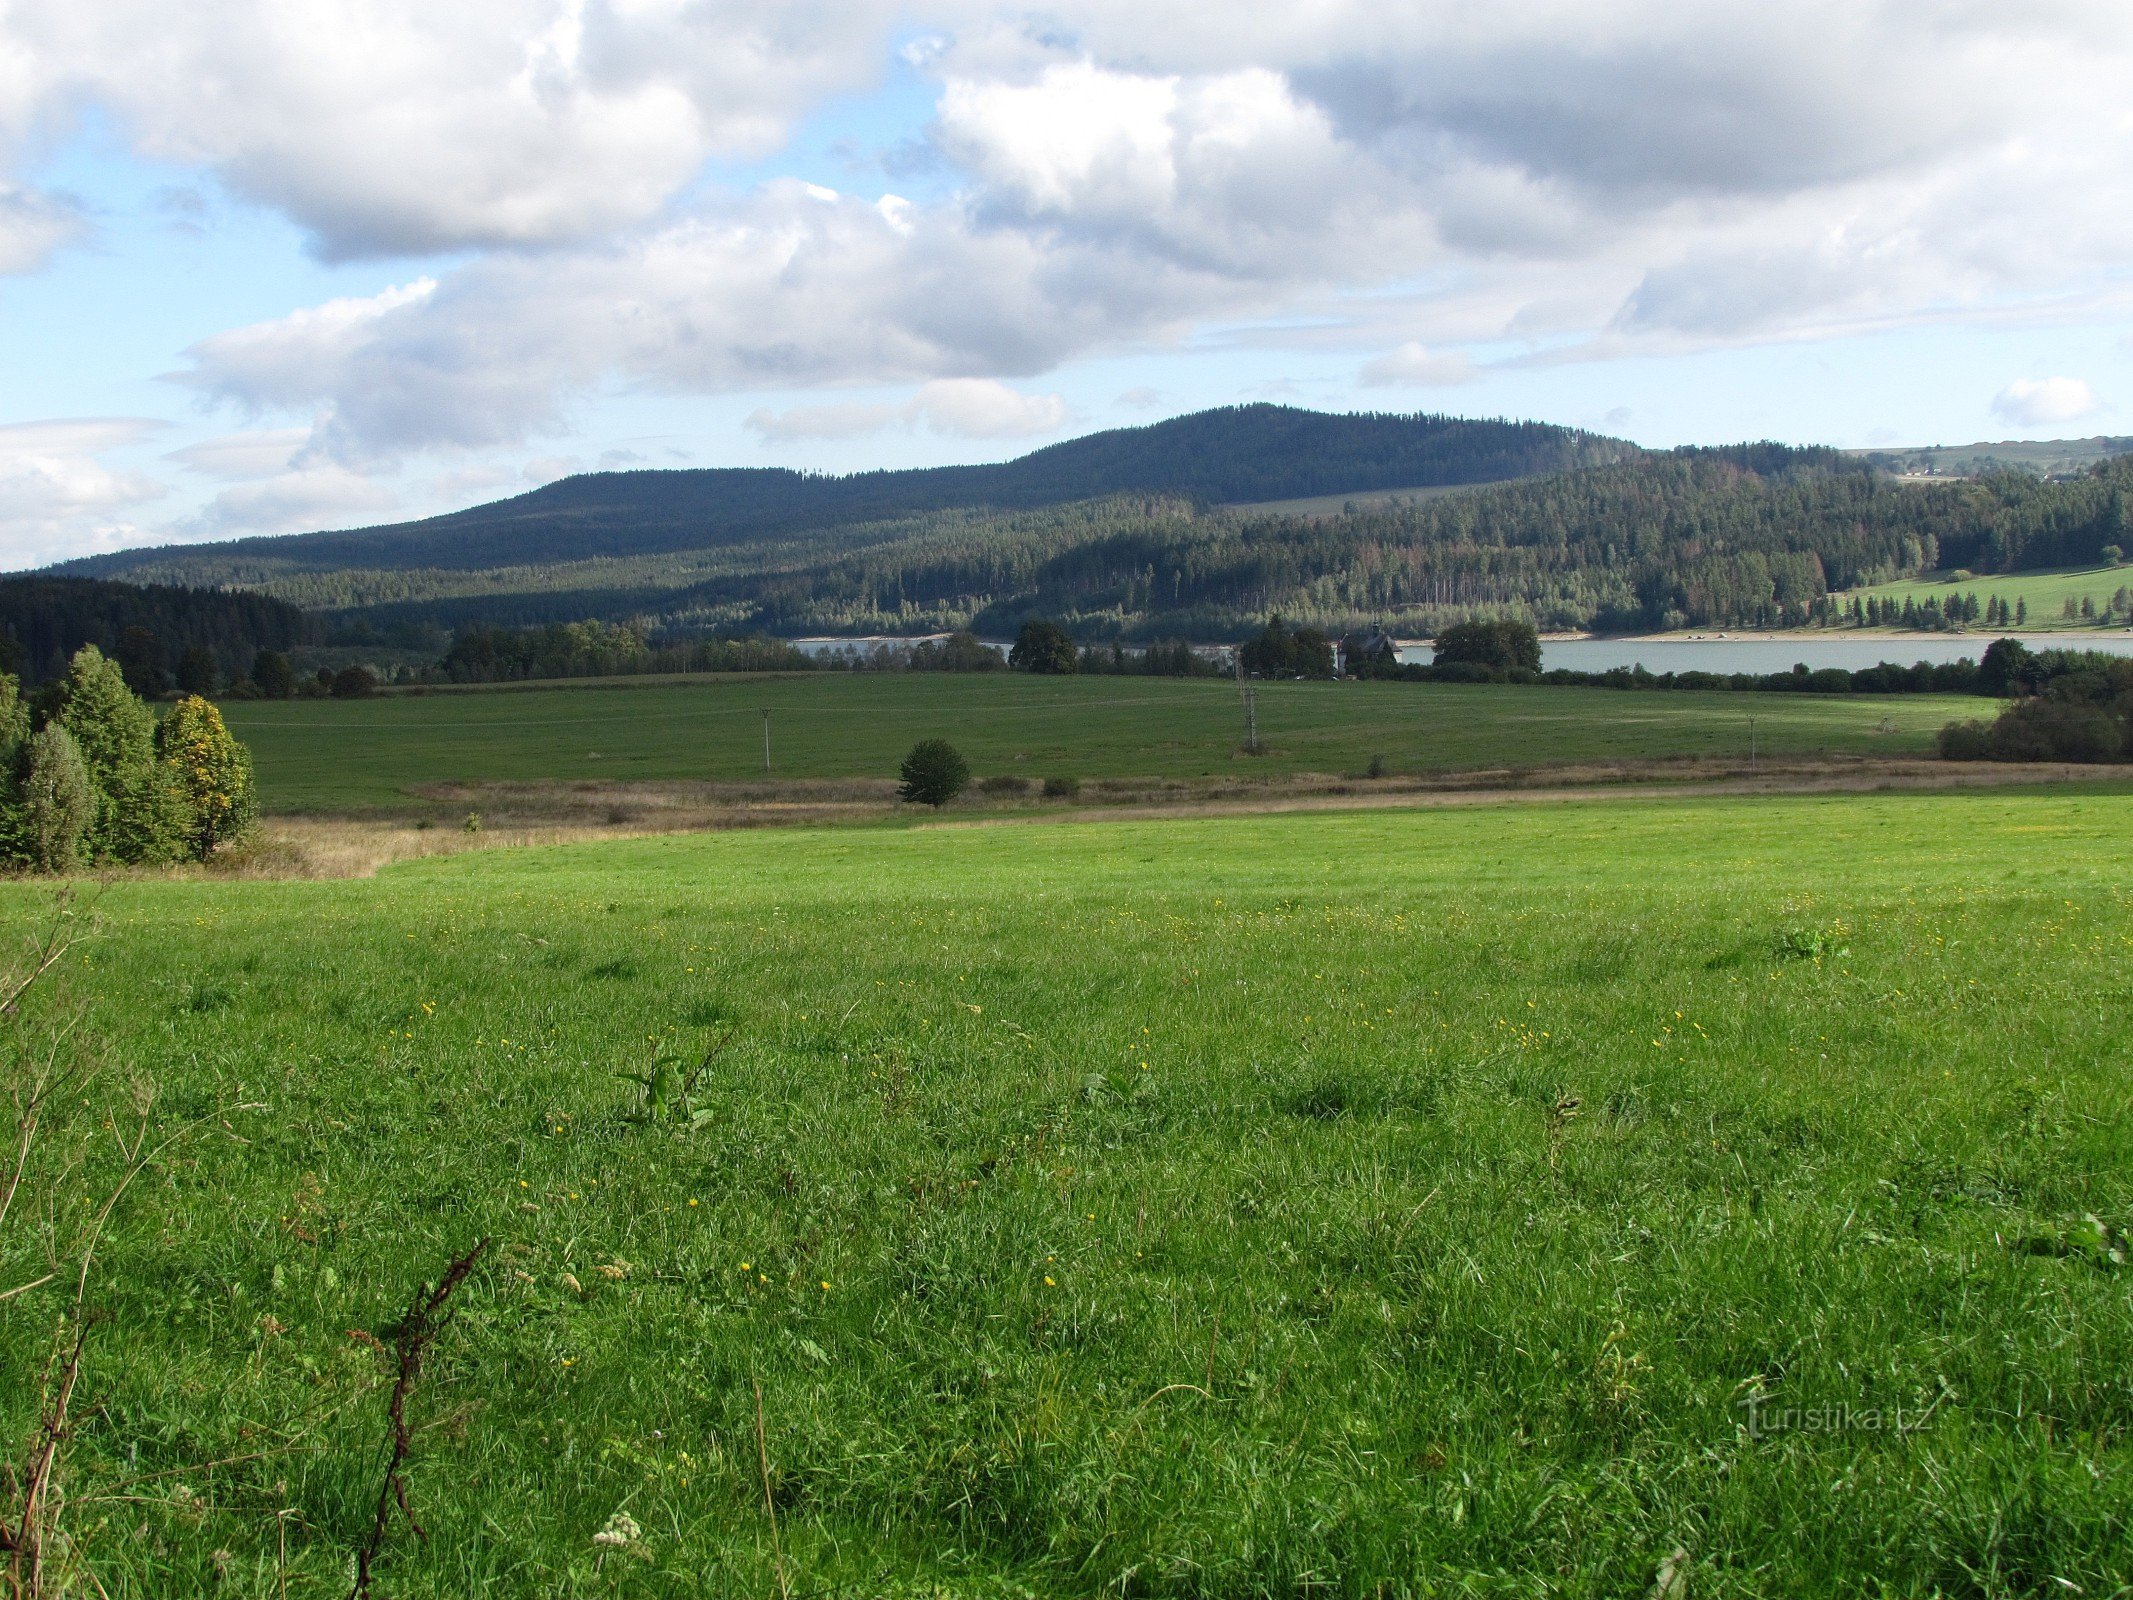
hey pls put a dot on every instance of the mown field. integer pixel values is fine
(2045, 592)
(342, 755)
(1490, 1202)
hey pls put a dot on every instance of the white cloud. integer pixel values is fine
(320, 494)
(786, 291)
(33, 225)
(1415, 364)
(965, 408)
(242, 457)
(1232, 173)
(398, 126)
(58, 498)
(277, 364)
(2045, 402)
(1397, 184)
(979, 408)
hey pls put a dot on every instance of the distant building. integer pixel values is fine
(1359, 652)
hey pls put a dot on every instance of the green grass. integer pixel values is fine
(2046, 593)
(1357, 1204)
(355, 754)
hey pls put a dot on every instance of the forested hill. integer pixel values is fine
(1754, 534)
(1241, 453)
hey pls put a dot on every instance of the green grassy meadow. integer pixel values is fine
(1372, 1203)
(344, 755)
(2045, 592)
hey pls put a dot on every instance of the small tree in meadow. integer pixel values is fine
(933, 774)
(1044, 647)
(210, 771)
(354, 682)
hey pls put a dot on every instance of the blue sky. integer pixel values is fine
(268, 268)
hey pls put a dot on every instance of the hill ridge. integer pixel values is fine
(1234, 453)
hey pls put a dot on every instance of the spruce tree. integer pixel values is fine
(136, 815)
(933, 774)
(57, 801)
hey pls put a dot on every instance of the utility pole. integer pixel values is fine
(766, 738)
(1251, 708)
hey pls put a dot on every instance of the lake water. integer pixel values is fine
(1709, 654)
(1703, 653)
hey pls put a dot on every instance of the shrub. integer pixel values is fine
(1966, 741)
(352, 683)
(1004, 783)
(57, 803)
(1061, 788)
(933, 774)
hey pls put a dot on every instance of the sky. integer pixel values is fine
(275, 265)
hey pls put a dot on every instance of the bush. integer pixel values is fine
(2085, 715)
(933, 774)
(352, 683)
(1004, 783)
(1467, 672)
(1966, 741)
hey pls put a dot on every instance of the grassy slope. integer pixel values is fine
(2046, 592)
(1359, 1202)
(351, 754)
